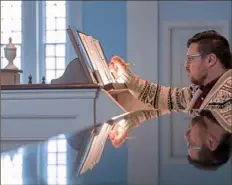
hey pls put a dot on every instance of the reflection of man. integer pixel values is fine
(209, 66)
(209, 140)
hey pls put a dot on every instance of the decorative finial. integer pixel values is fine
(10, 45)
(30, 79)
(43, 80)
(10, 52)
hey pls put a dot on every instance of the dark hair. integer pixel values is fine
(211, 41)
(212, 160)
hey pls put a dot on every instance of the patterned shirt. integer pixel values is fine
(205, 90)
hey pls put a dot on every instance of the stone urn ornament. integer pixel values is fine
(10, 54)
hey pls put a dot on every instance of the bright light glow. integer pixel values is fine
(11, 169)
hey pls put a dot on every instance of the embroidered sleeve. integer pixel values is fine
(223, 97)
(135, 118)
(160, 97)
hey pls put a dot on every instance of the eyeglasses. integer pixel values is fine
(189, 146)
(190, 57)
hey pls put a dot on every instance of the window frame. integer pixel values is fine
(14, 41)
(33, 37)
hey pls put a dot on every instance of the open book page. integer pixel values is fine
(90, 157)
(87, 48)
(103, 139)
(94, 149)
(100, 52)
(92, 57)
(80, 51)
(97, 58)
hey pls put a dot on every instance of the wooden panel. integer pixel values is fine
(9, 78)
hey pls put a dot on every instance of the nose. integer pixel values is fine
(186, 65)
(186, 135)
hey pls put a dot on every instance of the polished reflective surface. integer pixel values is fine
(57, 160)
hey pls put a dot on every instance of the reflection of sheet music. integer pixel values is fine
(94, 148)
(97, 58)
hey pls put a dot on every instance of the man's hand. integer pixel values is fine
(117, 135)
(126, 122)
(117, 66)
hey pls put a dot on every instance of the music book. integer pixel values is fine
(93, 143)
(92, 148)
(92, 57)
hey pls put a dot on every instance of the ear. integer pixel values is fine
(212, 143)
(212, 59)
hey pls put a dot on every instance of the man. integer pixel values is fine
(209, 139)
(209, 66)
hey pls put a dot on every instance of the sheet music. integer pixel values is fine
(94, 148)
(97, 58)
(102, 140)
(80, 51)
(87, 42)
(105, 63)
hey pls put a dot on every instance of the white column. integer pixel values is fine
(142, 48)
(28, 40)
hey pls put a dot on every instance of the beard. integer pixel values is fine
(199, 80)
(199, 120)
(195, 81)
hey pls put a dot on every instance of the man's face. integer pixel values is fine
(195, 65)
(203, 132)
(196, 137)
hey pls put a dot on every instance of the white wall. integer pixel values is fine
(142, 49)
(157, 32)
